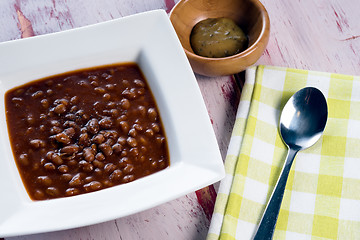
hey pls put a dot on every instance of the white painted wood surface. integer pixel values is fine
(319, 35)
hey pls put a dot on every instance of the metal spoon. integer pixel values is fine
(302, 123)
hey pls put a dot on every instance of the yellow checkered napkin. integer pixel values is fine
(322, 196)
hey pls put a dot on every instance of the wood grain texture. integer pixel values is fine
(319, 35)
(316, 35)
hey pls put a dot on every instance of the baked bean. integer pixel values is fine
(110, 134)
(84, 139)
(45, 103)
(106, 97)
(98, 139)
(38, 194)
(128, 178)
(105, 75)
(149, 132)
(37, 94)
(72, 162)
(110, 167)
(111, 104)
(59, 109)
(37, 143)
(55, 123)
(66, 177)
(52, 191)
(162, 164)
(29, 130)
(76, 180)
(89, 154)
(71, 192)
(125, 83)
(115, 175)
(131, 141)
(42, 128)
(69, 131)
(134, 152)
(62, 138)
(59, 85)
(93, 148)
(83, 83)
(92, 186)
(63, 168)
(114, 113)
(128, 168)
(140, 91)
(106, 149)
(49, 92)
(122, 118)
(124, 153)
(121, 140)
(86, 166)
(44, 180)
(88, 179)
(93, 126)
(94, 83)
(74, 100)
(154, 164)
(132, 132)
(98, 163)
(124, 126)
(17, 101)
(129, 93)
(159, 140)
(110, 141)
(110, 86)
(43, 116)
(155, 127)
(100, 90)
(125, 103)
(98, 172)
(70, 149)
(63, 101)
(107, 183)
(70, 124)
(100, 157)
(55, 158)
(139, 83)
(105, 123)
(73, 109)
(49, 166)
(124, 161)
(117, 148)
(152, 114)
(70, 116)
(30, 119)
(138, 127)
(55, 130)
(93, 77)
(24, 159)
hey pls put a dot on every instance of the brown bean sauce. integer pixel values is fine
(84, 131)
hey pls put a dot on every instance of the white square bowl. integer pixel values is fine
(149, 40)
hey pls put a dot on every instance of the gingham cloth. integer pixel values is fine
(322, 196)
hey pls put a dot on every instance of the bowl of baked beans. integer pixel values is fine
(99, 126)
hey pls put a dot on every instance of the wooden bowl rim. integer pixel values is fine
(263, 35)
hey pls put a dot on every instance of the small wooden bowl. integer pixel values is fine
(250, 15)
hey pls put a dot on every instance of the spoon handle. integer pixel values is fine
(268, 221)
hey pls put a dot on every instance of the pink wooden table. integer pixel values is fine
(319, 35)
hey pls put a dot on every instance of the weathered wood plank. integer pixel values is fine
(319, 35)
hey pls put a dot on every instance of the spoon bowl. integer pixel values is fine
(302, 123)
(303, 118)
